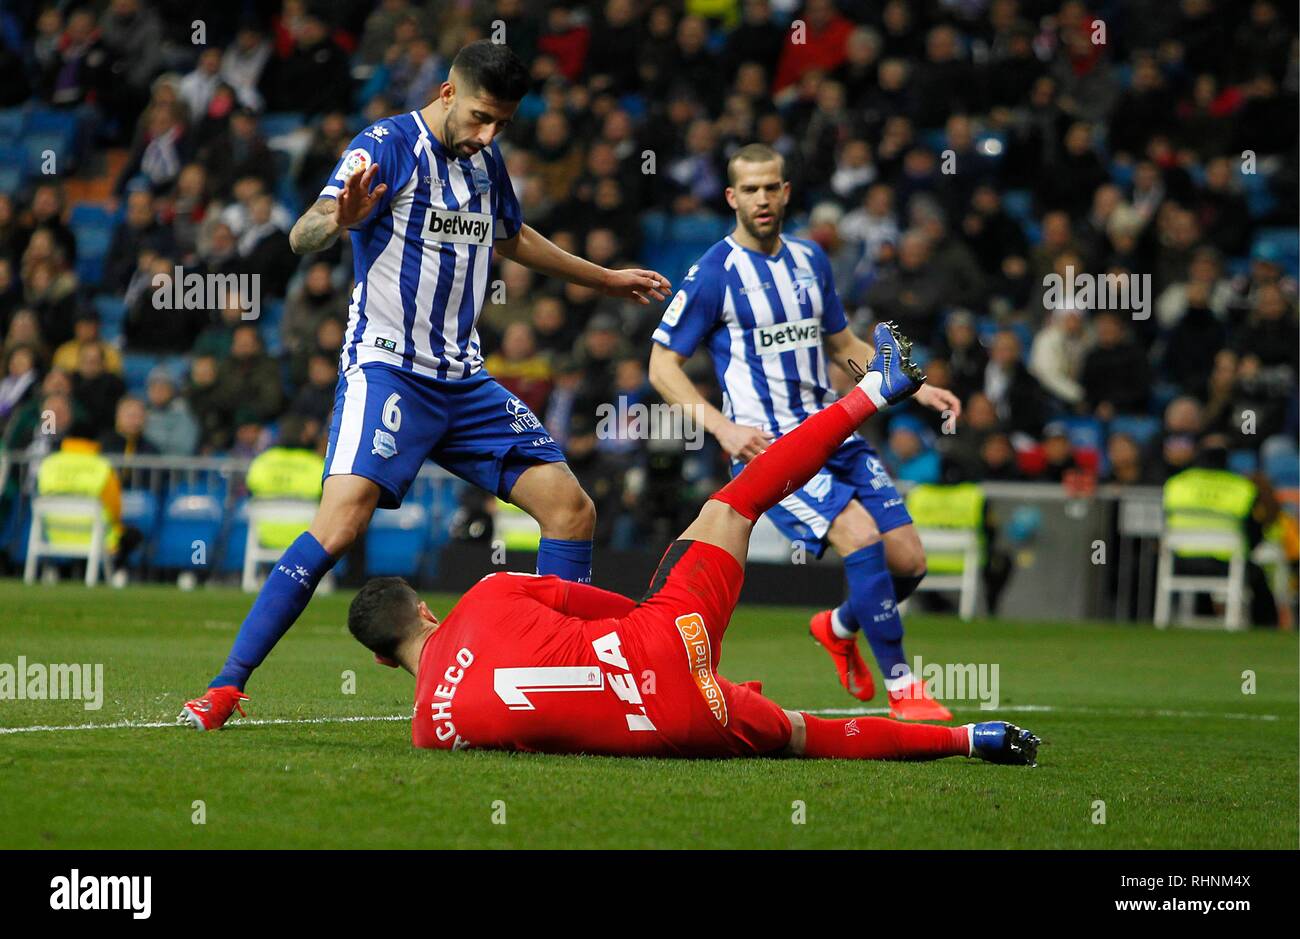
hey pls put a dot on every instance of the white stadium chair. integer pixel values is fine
(1232, 585)
(95, 551)
(967, 583)
(298, 511)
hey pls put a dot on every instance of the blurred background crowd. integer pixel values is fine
(949, 155)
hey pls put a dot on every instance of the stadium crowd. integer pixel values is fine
(948, 157)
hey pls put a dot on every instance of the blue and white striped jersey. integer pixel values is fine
(762, 318)
(421, 258)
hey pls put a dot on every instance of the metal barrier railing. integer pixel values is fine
(222, 478)
(1087, 555)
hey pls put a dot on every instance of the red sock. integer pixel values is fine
(878, 738)
(795, 458)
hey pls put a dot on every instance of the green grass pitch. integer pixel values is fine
(1153, 724)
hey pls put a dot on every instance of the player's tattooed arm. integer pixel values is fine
(321, 224)
(316, 229)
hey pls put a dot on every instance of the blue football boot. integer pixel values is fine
(1000, 742)
(892, 376)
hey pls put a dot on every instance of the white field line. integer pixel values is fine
(826, 712)
(149, 725)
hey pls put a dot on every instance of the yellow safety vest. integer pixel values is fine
(1208, 500)
(75, 474)
(284, 473)
(727, 12)
(955, 508)
(516, 528)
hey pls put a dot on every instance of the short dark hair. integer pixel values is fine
(754, 153)
(492, 68)
(384, 612)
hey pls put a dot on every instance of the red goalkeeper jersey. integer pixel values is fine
(525, 662)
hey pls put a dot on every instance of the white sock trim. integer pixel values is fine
(902, 681)
(871, 384)
(970, 739)
(838, 628)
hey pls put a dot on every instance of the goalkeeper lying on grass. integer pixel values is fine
(526, 662)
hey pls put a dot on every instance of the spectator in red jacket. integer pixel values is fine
(822, 44)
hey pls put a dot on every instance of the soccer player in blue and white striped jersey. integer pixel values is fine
(765, 307)
(426, 199)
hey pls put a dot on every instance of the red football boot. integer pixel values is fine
(853, 671)
(913, 703)
(211, 711)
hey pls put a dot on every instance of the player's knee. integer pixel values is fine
(906, 557)
(570, 514)
(846, 538)
(338, 534)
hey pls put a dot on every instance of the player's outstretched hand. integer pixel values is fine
(356, 200)
(742, 443)
(939, 399)
(643, 286)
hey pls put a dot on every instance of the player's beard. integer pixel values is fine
(462, 148)
(768, 232)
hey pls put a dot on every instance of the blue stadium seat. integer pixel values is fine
(1237, 267)
(93, 242)
(1085, 432)
(13, 155)
(1282, 466)
(11, 123)
(272, 341)
(286, 189)
(935, 139)
(51, 120)
(1121, 174)
(1140, 427)
(1019, 204)
(271, 314)
(140, 509)
(111, 309)
(530, 109)
(233, 539)
(654, 228)
(1258, 190)
(187, 519)
(1162, 392)
(702, 228)
(21, 530)
(986, 328)
(90, 269)
(37, 145)
(396, 541)
(440, 498)
(11, 179)
(136, 367)
(634, 105)
(1243, 462)
(269, 319)
(1279, 245)
(88, 214)
(202, 484)
(1026, 334)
